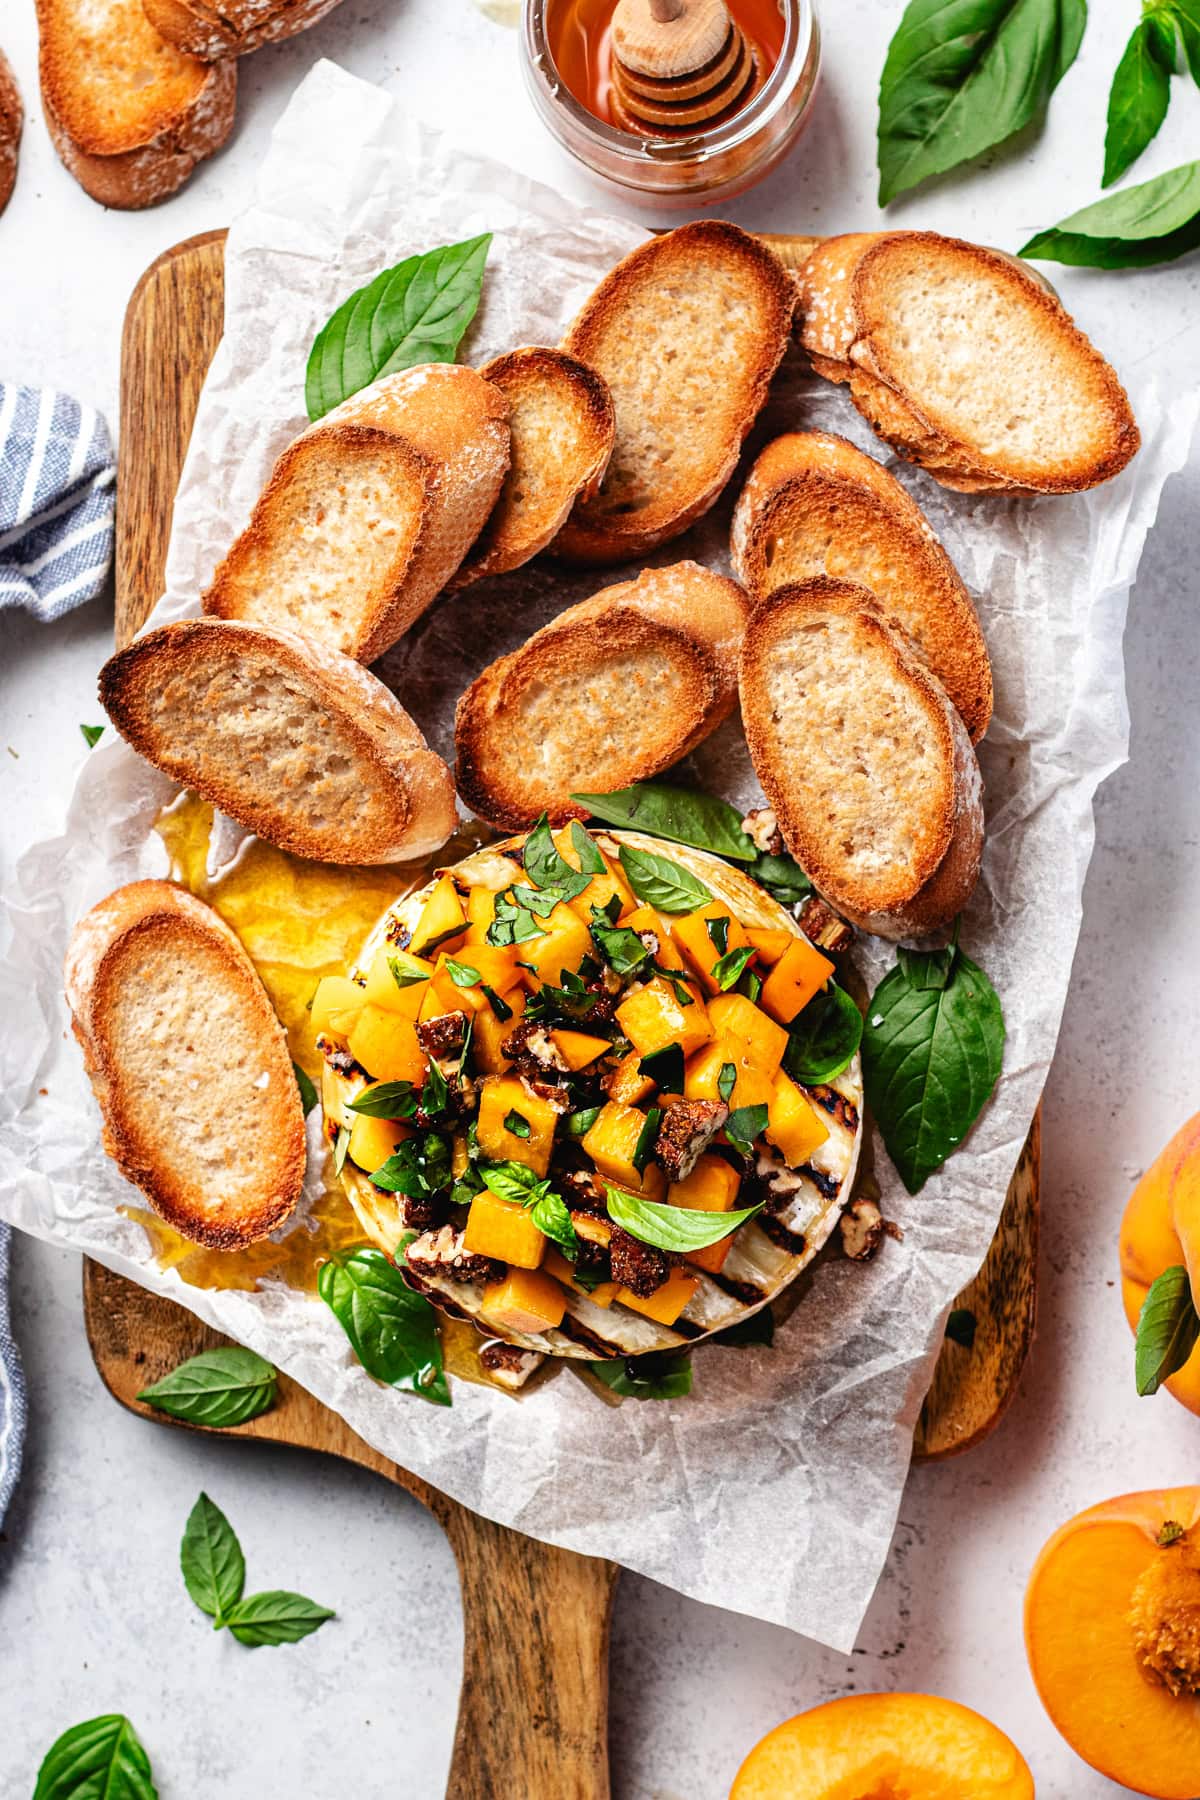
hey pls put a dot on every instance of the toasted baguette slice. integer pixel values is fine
(188, 1062)
(299, 743)
(866, 763)
(612, 691)
(369, 513)
(814, 505)
(562, 424)
(12, 117)
(687, 331)
(198, 28)
(130, 117)
(966, 361)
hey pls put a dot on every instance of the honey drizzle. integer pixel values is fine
(297, 921)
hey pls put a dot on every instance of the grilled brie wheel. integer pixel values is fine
(806, 1200)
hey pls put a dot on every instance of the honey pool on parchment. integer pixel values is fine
(297, 921)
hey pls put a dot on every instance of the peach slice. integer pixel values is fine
(885, 1747)
(1112, 1631)
(1160, 1229)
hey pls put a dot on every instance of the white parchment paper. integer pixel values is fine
(773, 1490)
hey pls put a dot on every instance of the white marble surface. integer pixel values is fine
(93, 1616)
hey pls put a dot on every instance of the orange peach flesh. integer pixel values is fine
(885, 1747)
(1161, 1228)
(1112, 1624)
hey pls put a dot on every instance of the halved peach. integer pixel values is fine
(883, 1747)
(1112, 1631)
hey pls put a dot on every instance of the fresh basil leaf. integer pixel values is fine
(513, 1181)
(542, 901)
(1187, 18)
(214, 1569)
(512, 923)
(677, 1228)
(517, 1123)
(581, 1122)
(727, 970)
(665, 1068)
(823, 1037)
(677, 983)
(218, 1388)
(1137, 101)
(386, 1100)
(727, 1081)
(1168, 1328)
(679, 814)
(744, 1125)
(92, 735)
(782, 877)
(718, 933)
(591, 859)
(960, 1327)
(102, 1759)
(661, 883)
(549, 1213)
(416, 312)
(462, 974)
(963, 75)
(500, 1007)
(644, 1147)
(341, 1144)
(928, 968)
(275, 1618)
(544, 863)
(659, 1376)
(931, 1057)
(392, 1331)
(406, 971)
(1153, 222)
(621, 948)
(308, 1092)
(757, 1328)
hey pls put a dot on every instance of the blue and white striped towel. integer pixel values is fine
(12, 1389)
(56, 501)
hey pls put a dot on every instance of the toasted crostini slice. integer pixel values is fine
(188, 1062)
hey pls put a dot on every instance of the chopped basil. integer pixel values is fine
(823, 1037)
(718, 933)
(418, 1168)
(591, 860)
(341, 1144)
(308, 1092)
(435, 1093)
(544, 863)
(516, 1123)
(665, 1068)
(750, 984)
(581, 1122)
(406, 971)
(500, 1007)
(462, 974)
(727, 970)
(644, 1147)
(744, 1125)
(677, 983)
(92, 735)
(727, 1081)
(622, 949)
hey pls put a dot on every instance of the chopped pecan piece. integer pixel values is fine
(508, 1363)
(442, 1036)
(441, 1253)
(688, 1128)
(639, 1267)
(762, 828)
(822, 926)
(862, 1227)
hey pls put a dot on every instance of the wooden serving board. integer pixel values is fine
(532, 1720)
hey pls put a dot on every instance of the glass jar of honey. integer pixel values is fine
(579, 91)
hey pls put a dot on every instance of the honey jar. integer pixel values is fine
(675, 101)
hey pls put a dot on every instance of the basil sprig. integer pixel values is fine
(1153, 222)
(677, 1228)
(963, 75)
(660, 1376)
(520, 1185)
(218, 1388)
(823, 1037)
(214, 1573)
(416, 312)
(1168, 1329)
(392, 1331)
(932, 1049)
(665, 885)
(100, 1757)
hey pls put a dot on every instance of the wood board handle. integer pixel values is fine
(533, 1712)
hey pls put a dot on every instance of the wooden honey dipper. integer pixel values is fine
(678, 66)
